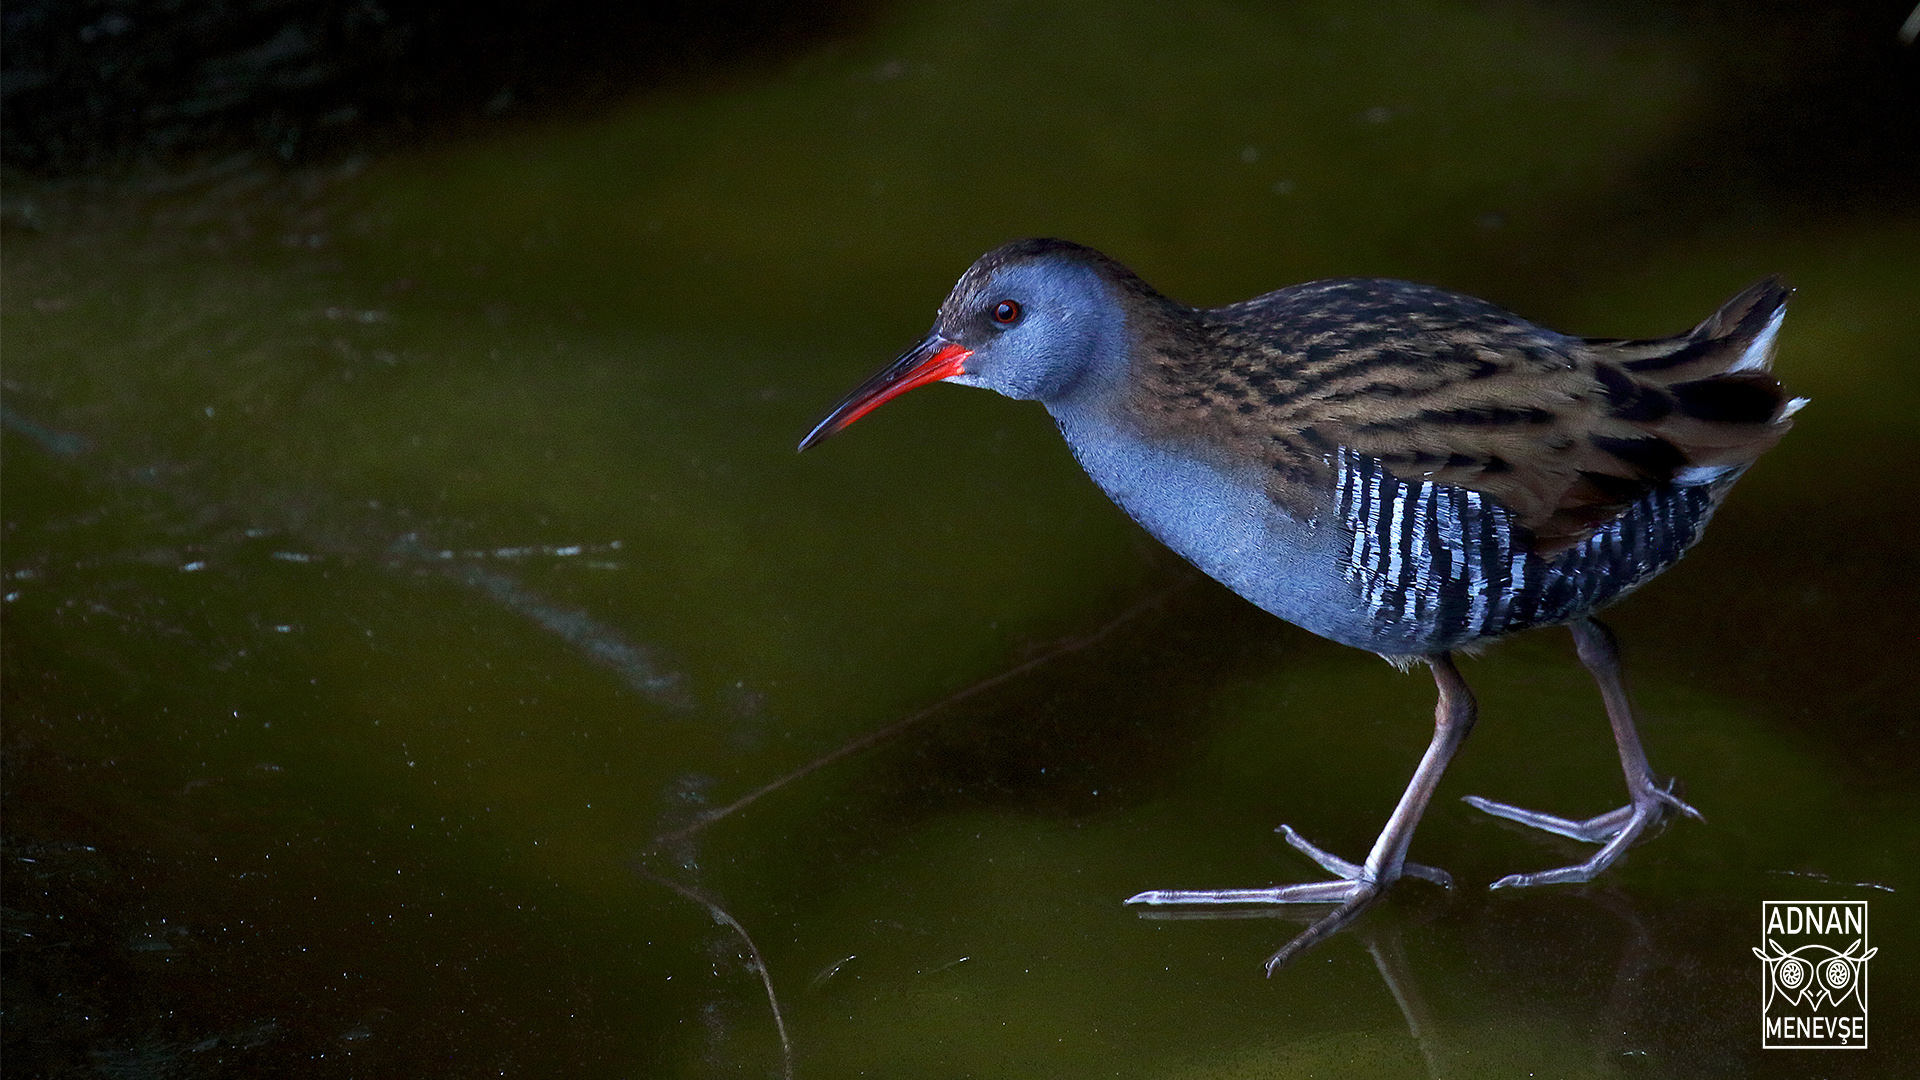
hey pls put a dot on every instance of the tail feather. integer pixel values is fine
(1751, 319)
(1709, 392)
(1758, 355)
(1737, 337)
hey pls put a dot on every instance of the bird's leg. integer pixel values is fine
(1616, 829)
(1357, 886)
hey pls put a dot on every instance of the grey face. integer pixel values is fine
(1035, 327)
(1035, 319)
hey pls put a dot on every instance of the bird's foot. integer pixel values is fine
(1354, 889)
(1614, 830)
(1352, 879)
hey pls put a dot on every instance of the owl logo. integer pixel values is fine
(1817, 978)
(1813, 974)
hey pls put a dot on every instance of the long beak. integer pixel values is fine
(935, 358)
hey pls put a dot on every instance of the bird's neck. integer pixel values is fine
(1119, 341)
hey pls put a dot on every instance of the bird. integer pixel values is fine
(1390, 465)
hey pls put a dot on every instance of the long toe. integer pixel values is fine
(1350, 897)
(1350, 880)
(1331, 863)
(1351, 883)
(1311, 892)
(1615, 831)
(1594, 830)
(1578, 872)
(1323, 928)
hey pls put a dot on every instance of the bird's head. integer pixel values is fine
(1032, 319)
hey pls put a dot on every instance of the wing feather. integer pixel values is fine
(1568, 433)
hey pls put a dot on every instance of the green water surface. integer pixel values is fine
(397, 549)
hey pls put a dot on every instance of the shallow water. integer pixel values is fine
(406, 558)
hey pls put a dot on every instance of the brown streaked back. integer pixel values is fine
(1568, 433)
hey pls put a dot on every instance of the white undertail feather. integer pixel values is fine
(1759, 354)
(1695, 475)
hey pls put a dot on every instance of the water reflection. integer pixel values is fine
(599, 642)
(374, 810)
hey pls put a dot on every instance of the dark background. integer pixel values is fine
(402, 532)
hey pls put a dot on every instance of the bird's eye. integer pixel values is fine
(1006, 313)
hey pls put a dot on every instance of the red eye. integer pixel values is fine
(1006, 313)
